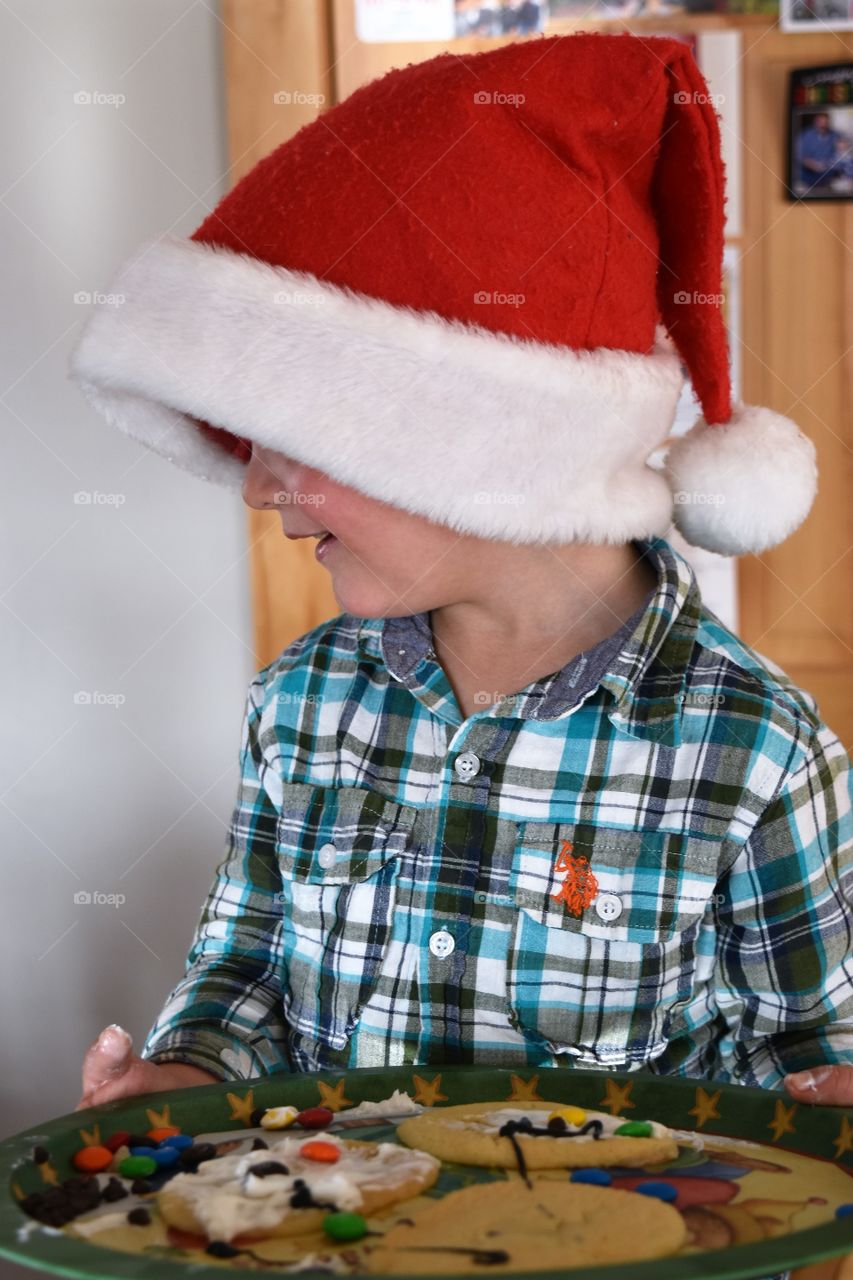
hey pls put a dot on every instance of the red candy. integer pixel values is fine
(322, 1152)
(315, 1118)
(92, 1159)
(116, 1140)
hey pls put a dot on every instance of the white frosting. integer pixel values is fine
(228, 1199)
(399, 1104)
(491, 1121)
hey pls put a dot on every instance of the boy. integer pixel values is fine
(524, 801)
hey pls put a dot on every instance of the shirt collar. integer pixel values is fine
(643, 665)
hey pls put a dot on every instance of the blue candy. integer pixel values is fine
(844, 1211)
(178, 1140)
(596, 1177)
(164, 1156)
(660, 1190)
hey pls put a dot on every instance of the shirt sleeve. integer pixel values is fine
(784, 973)
(226, 1015)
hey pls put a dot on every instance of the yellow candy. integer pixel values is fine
(571, 1115)
(278, 1117)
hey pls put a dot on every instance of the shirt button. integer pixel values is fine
(466, 765)
(327, 855)
(441, 943)
(608, 906)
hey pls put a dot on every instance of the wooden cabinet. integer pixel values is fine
(796, 605)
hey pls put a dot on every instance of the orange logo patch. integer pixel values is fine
(580, 885)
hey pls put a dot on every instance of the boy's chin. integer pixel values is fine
(362, 600)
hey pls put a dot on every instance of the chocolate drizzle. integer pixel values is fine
(556, 1128)
(483, 1257)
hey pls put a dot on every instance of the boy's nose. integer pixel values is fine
(260, 485)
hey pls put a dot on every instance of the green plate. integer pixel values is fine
(782, 1197)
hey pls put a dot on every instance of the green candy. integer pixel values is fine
(634, 1129)
(137, 1166)
(344, 1226)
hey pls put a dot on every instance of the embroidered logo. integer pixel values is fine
(580, 885)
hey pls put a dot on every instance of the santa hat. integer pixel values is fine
(468, 290)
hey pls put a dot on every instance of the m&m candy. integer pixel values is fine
(116, 1140)
(344, 1226)
(844, 1211)
(322, 1152)
(278, 1117)
(180, 1141)
(594, 1177)
(92, 1159)
(137, 1167)
(315, 1118)
(634, 1129)
(163, 1157)
(658, 1190)
(572, 1115)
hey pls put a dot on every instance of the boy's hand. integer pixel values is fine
(830, 1086)
(112, 1070)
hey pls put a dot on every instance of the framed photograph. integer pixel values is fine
(816, 15)
(820, 135)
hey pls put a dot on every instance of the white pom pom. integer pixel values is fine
(743, 486)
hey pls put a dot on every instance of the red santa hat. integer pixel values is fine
(468, 290)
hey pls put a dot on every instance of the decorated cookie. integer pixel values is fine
(537, 1135)
(507, 1226)
(292, 1185)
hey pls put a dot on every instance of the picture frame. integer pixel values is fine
(820, 133)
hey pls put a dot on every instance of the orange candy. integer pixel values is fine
(322, 1152)
(92, 1159)
(167, 1131)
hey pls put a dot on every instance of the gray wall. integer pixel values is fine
(140, 596)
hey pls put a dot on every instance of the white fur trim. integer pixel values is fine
(743, 486)
(480, 431)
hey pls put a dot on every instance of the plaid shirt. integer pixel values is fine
(392, 889)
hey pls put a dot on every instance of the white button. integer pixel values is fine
(327, 855)
(608, 906)
(442, 943)
(467, 765)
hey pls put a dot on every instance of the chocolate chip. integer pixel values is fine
(264, 1168)
(221, 1249)
(139, 1217)
(193, 1156)
(140, 1186)
(41, 1155)
(114, 1190)
(256, 1116)
(260, 1145)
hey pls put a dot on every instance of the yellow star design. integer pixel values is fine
(782, 1121)
(241, 1108)
(706, 1107)
(91, 1137)
(524, 1090)
(333, 1098)
(428, 1092)
(160, 1119)
(618, 1097)
(844, 1141)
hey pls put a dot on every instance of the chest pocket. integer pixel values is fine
(604, 983)
(338, 854)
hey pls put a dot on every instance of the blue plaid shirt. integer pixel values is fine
(393, 889)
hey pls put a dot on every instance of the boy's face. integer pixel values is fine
(384, 562)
